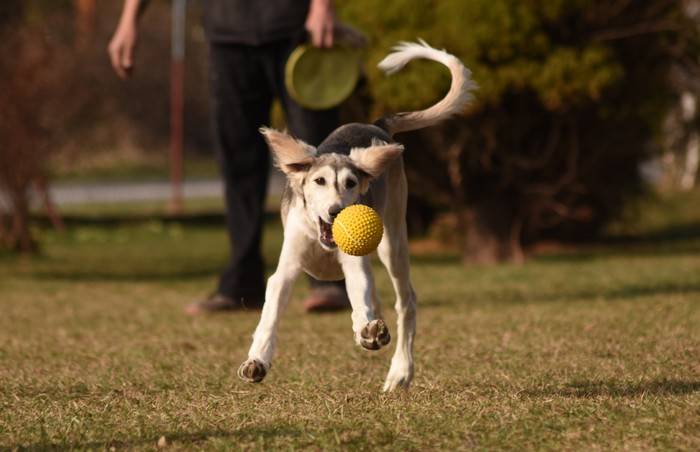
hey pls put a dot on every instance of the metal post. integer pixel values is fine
(177, 105)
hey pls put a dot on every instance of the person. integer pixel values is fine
(249, 43)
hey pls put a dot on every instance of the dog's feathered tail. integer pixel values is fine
(453, 103)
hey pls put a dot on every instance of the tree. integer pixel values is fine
(29, 76)
(571, 96)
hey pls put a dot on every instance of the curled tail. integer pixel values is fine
(453, 103)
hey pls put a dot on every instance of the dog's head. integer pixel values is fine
(327, 183)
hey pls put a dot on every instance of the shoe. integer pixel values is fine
(220, 303)
(326, 297)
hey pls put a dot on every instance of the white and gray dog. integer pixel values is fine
(356, 164)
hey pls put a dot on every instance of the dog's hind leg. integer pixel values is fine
(394, 255)
(393, 252)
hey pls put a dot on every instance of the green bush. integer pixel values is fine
(571, 96)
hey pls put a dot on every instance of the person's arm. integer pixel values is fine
(321, 22)
(121, 47)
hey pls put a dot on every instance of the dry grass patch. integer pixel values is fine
(575, 352)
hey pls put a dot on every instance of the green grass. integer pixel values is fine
(597, 349)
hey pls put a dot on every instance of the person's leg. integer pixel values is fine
(240, 104)
(311, 126)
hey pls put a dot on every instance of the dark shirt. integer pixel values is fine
(253, 22)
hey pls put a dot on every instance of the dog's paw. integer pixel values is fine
(398, 378)
(374, 335)
(253, 370)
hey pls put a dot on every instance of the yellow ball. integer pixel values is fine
(357, 230)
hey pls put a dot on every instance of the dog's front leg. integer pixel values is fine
(370, 333)
(277, 294)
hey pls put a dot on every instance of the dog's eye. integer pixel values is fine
(350, 183)
(320, 181)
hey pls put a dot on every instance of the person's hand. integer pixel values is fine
(321, 22)
(121, 49)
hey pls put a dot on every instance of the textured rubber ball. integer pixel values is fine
(357, 230)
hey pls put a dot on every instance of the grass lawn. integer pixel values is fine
(585, 350)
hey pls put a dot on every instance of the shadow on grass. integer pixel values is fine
(581, 254)
(604, 250)
(126, 276)
(585, 389)
(251, 438)
(214, 219)
(500, 295)
(623, 292)
(192, 439)
(103, 257)
(74, 221)
(680, 239)
(671, 233)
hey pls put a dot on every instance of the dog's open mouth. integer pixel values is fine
(326, 230)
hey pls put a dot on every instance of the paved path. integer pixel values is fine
(64, 194)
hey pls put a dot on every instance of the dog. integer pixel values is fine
(356, 164)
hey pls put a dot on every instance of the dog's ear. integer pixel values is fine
(292, 156)
(375, 159)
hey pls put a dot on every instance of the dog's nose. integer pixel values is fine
(333, 211)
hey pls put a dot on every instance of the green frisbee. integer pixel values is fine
(321, 78)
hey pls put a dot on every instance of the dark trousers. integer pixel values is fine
(244, 81)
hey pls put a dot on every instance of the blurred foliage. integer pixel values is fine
(571, 93)
(570, 101)
(33, 68)
(549, 48)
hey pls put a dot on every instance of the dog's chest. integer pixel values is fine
(301, 245)
(321, 264)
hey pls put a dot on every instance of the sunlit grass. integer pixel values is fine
(597, 349)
